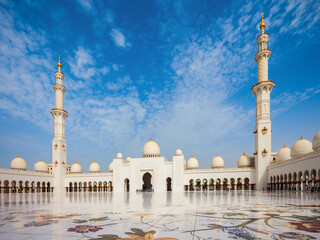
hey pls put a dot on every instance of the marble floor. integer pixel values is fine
(188, 215)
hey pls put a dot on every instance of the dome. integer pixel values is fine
(179, 152)
(94, 167)
(18, 163)
(217, 162)
(316, 141)
(41, 166)
(192, 163)
(128, 159)
(244, 161)
(151, 149)
(301, 147)
(283, 154)
(76, 168)
(111, 167)
(119, 155)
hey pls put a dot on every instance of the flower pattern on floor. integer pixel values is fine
(194, 216)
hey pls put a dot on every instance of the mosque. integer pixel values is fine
(297, 168)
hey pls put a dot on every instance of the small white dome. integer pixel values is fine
(111, 167)
(41, 166)
(76, 168)
(18, 163)
(283, 153)
(192, 163)
(119, 155)
(128, 159)
(179, 152)
(301, 147)
(217, 162)
(316, 141)
(244, 161)
(151, 149)
(94, 167)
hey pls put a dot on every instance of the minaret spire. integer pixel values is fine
(261, 91)
(59, 144)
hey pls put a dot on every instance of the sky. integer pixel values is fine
(179, 71)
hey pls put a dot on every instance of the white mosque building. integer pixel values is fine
(297, 168)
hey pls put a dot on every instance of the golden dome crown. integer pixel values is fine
(59, 63)
(262, 24)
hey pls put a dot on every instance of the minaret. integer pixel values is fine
(262, 91)
(59, 144)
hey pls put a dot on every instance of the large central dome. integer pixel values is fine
(151, 149)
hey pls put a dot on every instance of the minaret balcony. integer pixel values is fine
(263, 83)
(60, 87)
(59, 112)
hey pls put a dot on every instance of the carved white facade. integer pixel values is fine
(297, 168)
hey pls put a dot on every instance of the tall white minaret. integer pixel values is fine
(59, 144)
(262, 91)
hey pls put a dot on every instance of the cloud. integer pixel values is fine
(83, 65)
(87, 5)
(119, 39)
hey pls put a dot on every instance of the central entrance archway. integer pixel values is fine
(147, 181)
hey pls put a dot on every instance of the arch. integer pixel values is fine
(313, 180)
(225, 184)
(204, 184)
(246, 184)
(90, 186)
(13, 186)
(289, 181)
(48, 187)
(198, 185)
(75, 186)
(300, 181)
(169, 184)
(239, 184)
(281, 182)
(211, 184)
(26, 185)
(127, 185)
(110, 186)
(95, 186)
(20, 190)
(232, 183)
(147, 178)
(33, 186)
(43, 189)
(80, 186)
(85, 186)
(70, 187)
(105, 186)
(191, 182)
(100, 186)
(306, 179)
(218, 184)
(6, 186)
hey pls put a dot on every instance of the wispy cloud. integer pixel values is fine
(119, 39)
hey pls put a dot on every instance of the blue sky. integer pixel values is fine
(179, 71)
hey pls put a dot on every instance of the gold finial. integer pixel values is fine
(59, 63)
(217, 154)
(262, 24)
(284, 146)
(18, 155)
(94, 160)
(41, 160)
(301, 136)
(151, 139)
(192, 156)
(76, 161)
(244, 153)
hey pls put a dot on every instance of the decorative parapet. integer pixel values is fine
(268, 81)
